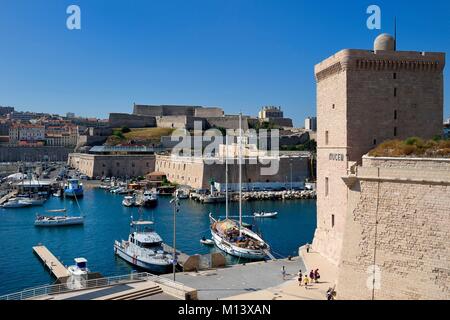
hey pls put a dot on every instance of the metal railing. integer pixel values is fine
(90, 284)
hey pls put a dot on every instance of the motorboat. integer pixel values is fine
(207, 242)
(263, 214)
(213, 198)
(144, 248)
(57, 221)
(14, 203)
(183, 194)
(150, 199)
(118, 190)
(78, 274)
(129, 201)
(36, 201)
(73, 188)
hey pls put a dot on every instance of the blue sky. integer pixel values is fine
(239, 55)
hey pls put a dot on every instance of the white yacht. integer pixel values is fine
(14, 203)
(237, 240)
(144, 248)
(57, 221)
(150, 199)
(129, 201)
(183, 194)
(232, 236)
(213, 198)
(264, 214)
(78, 274)
(33, 201)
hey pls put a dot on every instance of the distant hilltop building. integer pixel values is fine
(5, 110)
(177, 117)
(388, 214)
(275, 116)
(177, 110)
(311, 124)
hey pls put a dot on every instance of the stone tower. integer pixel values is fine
(365, 97)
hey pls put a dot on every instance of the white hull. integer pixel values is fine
(265, 214)
(236, 251)
(152, 266)
(69, 221)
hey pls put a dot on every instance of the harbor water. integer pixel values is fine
(107, 220)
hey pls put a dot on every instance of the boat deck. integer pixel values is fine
(51, 262)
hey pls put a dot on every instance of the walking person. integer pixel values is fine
(316, 275)
(306, 281)
(300, 278)
(307, 248)
(283, 272)
(311, 275)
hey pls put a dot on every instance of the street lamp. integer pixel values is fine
(176, 205)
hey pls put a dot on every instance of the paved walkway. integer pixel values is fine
(290, 290)
(239, 279)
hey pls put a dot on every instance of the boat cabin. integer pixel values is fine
(81, 263)
(145, 236)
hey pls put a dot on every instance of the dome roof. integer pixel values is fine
(384, 42)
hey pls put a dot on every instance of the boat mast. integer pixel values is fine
(240, 174)
(226, 175)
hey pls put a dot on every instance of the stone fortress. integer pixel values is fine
(183, 117)
(382, 218)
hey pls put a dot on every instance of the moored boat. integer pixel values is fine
(237, 240)
(37, 201)
(206, 242)
(129, 201)
(15, 203)
(213, 198)
(73, 188)
(57, 221)
(78, 274)
(150, 199)
(232, 236)
(144, 248)
(263, 214)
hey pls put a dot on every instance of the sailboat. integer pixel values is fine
(230, 235)
(58, 220)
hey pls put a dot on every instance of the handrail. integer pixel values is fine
(90, 284)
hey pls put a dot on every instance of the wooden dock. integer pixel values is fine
(51, 262)
(8, 196)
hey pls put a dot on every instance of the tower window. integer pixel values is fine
(333, 106)
(395, 131)
(326, 137)
(395, 92)
(332, 220)
(326, 186)
(395, 114)
(374, 141)
(395, 75)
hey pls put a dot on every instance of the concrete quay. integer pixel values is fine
(241, 279)
(290, 289)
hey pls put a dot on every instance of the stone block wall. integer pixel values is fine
(117, 120)
(398, 220)
(12, 154)
(112, 165)
(195, 173)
